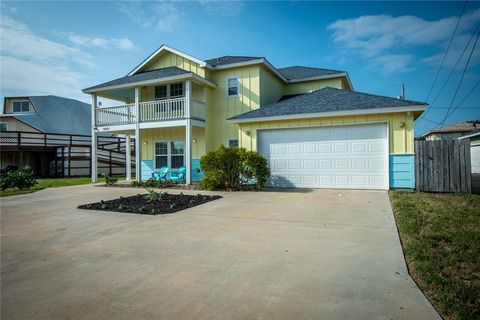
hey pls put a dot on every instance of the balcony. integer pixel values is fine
(149, 111)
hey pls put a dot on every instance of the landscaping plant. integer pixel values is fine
(21, 179)
(233, 169)
(110, 180)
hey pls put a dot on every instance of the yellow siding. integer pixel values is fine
(401, 139)
(271, 87)
(221, 107)
(309, 86)
(168, 59)
(149, 136)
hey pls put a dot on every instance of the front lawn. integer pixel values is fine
(50, 183)
(440, 235)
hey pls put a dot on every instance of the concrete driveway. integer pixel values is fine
(321, 254)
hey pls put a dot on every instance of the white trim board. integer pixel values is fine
(330, 114)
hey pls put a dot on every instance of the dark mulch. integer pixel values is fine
(169, 203)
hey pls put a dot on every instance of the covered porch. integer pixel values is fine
(165, 115)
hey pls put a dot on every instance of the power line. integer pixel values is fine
(477, 29)
(463, 100)
(461, 80)
(446, 51)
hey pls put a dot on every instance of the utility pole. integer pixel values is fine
(403, 90)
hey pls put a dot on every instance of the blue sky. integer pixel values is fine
(62, 47)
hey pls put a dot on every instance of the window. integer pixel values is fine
(176, 90)
(176, 153)
(232, 87)
(3, 126)
(233, 143)
(160, 92)
(169, 153)
(21, 106)
(447, 136)
(161, 154)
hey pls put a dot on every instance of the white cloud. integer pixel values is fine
(31, 64)
(120, 43)
(163, 16)
(380, 37)
(222, 8)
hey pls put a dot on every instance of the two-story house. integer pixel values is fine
(312, 127)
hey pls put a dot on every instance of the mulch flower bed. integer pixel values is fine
(152, 203)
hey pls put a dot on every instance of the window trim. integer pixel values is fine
(25, 100)
(169, 153)
(6, 126)
(169, 91)
(231, 139)
(237, 78)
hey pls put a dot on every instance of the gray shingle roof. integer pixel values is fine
(220, 61)
(57, 115)
(142, 76)
(298, 72)
(326, 100)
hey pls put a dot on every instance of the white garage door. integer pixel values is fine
(347, 156)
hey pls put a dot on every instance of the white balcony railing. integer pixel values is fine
(116, 115)
(168, 109)
(150, 111)
(198, 109)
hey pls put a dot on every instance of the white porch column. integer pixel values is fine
(188, 132)
(138, 143)
(93, 146)
(128, 158)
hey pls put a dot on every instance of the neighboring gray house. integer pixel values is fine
(474, 138)
(52, 135)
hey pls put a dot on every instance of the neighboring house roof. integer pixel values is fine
(220, 61)
(56, 115)
(142, 76)
(463, 126)
(298, 72)
(331, 101)
(474, 133)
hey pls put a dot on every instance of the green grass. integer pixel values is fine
(441, 239)
(50, 183)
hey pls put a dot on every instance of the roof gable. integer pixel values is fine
(161, 50)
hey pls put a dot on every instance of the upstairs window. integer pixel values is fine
(232, 87)
(160, 92)
(21, 106)
(176, 90)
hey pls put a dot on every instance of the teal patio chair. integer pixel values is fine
(177, 175)
(160, 174)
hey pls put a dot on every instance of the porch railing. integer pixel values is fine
(169, 109)
(149, 111)
(116, 115)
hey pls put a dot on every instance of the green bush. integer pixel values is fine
(110, 180)
(233, 169)
(21, 179)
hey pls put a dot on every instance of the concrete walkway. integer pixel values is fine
(310, 254)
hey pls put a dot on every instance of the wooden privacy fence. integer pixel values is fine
(443, 166)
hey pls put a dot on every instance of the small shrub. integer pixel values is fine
(21, 179)
(153, 196)
(233, 169)
(141, 209)
(110, 180)
(136, 183)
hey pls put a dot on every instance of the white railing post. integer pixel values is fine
(138, 144)
(128, 158)
(188, 131)
(93, 147)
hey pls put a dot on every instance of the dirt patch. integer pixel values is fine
(151, 204)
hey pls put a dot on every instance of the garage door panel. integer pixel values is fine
(353, 156)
